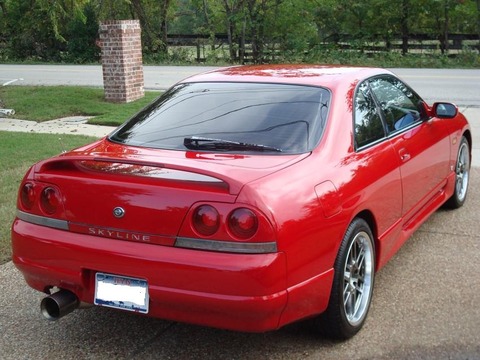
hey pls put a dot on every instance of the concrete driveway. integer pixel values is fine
(425, 306)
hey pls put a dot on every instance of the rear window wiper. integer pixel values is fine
(203, 143)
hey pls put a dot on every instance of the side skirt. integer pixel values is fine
(390, 243)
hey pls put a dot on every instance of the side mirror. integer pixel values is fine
(445, 110)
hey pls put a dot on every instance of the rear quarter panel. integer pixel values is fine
(366, 181)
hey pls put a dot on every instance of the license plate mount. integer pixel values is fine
(121, 292)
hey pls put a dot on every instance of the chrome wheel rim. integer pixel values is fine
(358, 278)
(462, 172)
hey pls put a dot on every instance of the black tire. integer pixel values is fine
(352, 287)
(462, 176)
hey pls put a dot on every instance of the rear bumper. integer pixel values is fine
(243, 292)
(232, 291)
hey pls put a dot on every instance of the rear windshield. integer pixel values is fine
(231, 117)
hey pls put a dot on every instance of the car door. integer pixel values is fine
(421, 143)
(377, 170)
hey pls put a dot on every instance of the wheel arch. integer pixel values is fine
(468, 136)
(337, 321)
(369, 218)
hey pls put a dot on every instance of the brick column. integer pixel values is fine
(122, 60)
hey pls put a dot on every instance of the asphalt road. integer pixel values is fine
(461, 86)
(426, 304)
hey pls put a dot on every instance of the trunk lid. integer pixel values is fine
(144, 195)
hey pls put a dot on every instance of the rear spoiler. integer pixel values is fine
(142, 168)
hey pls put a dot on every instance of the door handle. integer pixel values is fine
(404, 155)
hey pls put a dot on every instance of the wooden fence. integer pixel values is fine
(417, 44)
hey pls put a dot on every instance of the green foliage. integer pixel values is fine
(82, 34)
(35, 29)
(257, 30)
(27, 33)
(113, 9)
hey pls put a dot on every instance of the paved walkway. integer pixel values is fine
(75, 125)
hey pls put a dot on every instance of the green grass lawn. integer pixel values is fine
(42, 103)
(18, 151)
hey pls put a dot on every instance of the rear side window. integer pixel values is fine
(368, 122)
(288, 118)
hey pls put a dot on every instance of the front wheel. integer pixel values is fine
(462, 176)
(352, 287)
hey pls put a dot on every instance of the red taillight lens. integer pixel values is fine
(243, 223)
(49, 200)
(27, 196)
(206, 220)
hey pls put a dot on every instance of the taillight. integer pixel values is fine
(243, 223)
(206, 220)
(27, 196)
(227, 227)
(49, 200)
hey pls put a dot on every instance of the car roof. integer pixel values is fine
(329, 76)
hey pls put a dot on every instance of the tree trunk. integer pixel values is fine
(164, 6)
(4, 9)
(404, 26)
(139, 13)
(230, 12)
(241, 50)
(208, 22)
(230, 31)
(445, 27)
(478, 23)
(149, 33)
(257, 12)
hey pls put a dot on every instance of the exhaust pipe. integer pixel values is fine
(59, 304)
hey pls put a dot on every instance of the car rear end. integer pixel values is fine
(149, 221)
(175, 241)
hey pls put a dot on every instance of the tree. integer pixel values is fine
(36, 28)
(328, 19)
(81, 37)
(404, 25)
(445, 17)
(152, 14)
(59, 11)
(233, 12)
(155, 30)
(62, 30)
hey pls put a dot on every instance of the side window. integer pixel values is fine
(399, 104)
(368, 123)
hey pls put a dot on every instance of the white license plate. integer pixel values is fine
(121, 292)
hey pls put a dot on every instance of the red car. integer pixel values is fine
(245, 198)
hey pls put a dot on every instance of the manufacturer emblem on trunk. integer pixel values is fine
(118, 212)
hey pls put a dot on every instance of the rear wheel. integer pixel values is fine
(352, 287)
(462, 176)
